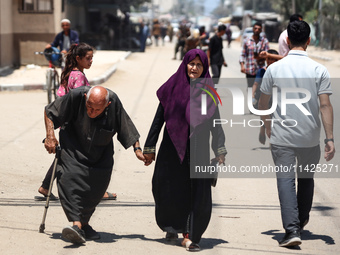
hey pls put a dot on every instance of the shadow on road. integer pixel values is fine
(206, 243)
(305, 235)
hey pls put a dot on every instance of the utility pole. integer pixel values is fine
(293, 7)
(319, 35)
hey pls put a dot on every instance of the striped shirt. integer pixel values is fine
(247, 55)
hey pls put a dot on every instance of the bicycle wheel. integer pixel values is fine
(49, 85)
(55, 84)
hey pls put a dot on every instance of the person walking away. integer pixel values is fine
(295, 146)
(229, 34)
(182, 34)
(283, 45)
(156, 30)
(215, 53)
(164, 30)
(170, 31)
(144, 34)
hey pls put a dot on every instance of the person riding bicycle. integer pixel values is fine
(65, 38)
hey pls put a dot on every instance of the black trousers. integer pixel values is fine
(250, 79)
(216, 72)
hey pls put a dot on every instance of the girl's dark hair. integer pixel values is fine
(71, 60)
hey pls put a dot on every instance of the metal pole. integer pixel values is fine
(320, 25)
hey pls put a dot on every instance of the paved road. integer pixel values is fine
(246, 214)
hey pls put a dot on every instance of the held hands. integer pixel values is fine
(221, 159)
(139, 155)
(138, 151)
(149, 158)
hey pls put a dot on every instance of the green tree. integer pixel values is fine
(330, 24)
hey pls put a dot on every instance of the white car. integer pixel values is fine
(175, 26)
(247, 32)
(236, 32)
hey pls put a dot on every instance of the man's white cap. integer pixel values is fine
(65, 20)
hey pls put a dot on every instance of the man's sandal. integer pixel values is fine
(111, 196)
(171, 236)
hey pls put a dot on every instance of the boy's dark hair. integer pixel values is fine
(221, 28)
(202, 29)
(272, 51)
(298, 32)
(295, 17)
(257, 24)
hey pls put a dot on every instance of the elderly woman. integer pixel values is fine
(183, 203)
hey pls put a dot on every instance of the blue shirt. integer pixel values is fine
(59, 39)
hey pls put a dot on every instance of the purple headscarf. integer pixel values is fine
(182, 102)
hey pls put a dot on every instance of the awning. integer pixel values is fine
(225, 20)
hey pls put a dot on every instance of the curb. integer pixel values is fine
(320, 57)
(42, 86)
(106, 75)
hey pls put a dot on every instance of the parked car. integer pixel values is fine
(247, 32)
(236, 32)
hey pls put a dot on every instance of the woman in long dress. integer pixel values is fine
(184, 203)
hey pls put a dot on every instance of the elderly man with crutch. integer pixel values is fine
(89, 118)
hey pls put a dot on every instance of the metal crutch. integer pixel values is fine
(57, 155)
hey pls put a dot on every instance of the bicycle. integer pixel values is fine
(54, 58)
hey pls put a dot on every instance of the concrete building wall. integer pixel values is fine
(32, 31)
(165, 5)
(76, 14)
(6, 33)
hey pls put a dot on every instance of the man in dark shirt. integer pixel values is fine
(215, 54)
(88, 119)
(65, 38)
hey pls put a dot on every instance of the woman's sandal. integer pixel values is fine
(193, 247)
(189, 245)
